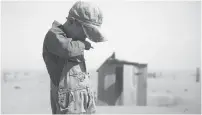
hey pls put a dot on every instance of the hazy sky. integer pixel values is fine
(166, 35)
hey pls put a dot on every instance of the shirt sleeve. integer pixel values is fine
(62, 46)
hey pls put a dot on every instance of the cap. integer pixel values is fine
(90, 16)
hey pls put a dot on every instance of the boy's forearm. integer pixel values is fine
(64, 47)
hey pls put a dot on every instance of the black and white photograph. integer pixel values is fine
(100, 57)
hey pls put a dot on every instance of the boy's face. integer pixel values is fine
(77, 31)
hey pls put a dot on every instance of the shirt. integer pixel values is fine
(58, 49)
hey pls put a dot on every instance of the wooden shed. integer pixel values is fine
(122, 82)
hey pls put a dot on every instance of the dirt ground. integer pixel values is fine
(29, 94)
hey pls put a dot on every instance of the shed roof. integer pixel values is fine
(112, 60)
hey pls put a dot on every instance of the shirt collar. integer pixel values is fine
(59, 27)
(56, 24)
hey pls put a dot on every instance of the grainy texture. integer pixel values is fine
(165, 95)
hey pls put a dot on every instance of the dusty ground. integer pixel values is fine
(168, 94)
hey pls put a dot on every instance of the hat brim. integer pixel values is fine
(94, 33)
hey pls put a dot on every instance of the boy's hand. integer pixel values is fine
(87, 45)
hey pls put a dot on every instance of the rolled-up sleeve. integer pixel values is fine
(62, 46)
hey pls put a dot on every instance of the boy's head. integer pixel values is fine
(84, 21)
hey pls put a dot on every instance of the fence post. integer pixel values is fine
(198, 75)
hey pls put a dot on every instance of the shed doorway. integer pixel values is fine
(119, 85)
